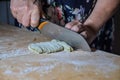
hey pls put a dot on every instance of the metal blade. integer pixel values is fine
(73, 39)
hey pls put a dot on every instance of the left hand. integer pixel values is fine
(75, 26)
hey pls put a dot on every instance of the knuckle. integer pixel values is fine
(15, 9)
(75, 28)
(26, 8)
(26, 24)
(34, 24)
(68, 26)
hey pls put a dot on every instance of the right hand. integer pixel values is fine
(26, 12)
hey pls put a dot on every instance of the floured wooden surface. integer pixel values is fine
(61, 66)
(14, 41)
(24, 65)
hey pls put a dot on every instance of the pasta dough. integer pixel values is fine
(49, 47)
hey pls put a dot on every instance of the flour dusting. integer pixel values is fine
(13, 53)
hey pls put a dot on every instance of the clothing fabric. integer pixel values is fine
(64, 11)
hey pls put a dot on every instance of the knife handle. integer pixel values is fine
(42, 25)
(43, 22)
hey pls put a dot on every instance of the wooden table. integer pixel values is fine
(18, 63)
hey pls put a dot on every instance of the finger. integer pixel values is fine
(19, 17)
(12, 8)
(70, 24)
(35, 16)
(77, 27)
(14, 12)
(26, 19)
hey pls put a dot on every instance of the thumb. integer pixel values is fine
(35, 16)
(86, 37)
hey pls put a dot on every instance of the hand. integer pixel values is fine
(26, 12)
(86, 29)
(75, 25)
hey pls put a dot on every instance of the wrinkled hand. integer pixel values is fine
(26, 12)
(86, 29)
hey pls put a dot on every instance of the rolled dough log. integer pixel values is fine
(49, 47)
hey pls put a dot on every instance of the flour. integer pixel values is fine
(59, 64)
(106, 64)
(13, 53)
(8, 72)
(22, 71)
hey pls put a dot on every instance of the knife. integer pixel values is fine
(55, 31)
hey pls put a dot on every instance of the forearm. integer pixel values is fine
(103, 10)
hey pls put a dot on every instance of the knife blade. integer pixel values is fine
(55, 31)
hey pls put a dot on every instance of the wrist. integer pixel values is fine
(91, 29)
(92, 25)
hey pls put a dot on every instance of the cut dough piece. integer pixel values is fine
(49, 47)
(64, 44)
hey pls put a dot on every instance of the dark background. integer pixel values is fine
(116, 42)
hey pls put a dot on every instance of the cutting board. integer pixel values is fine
(18, 63)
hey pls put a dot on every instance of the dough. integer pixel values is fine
(49, 47)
